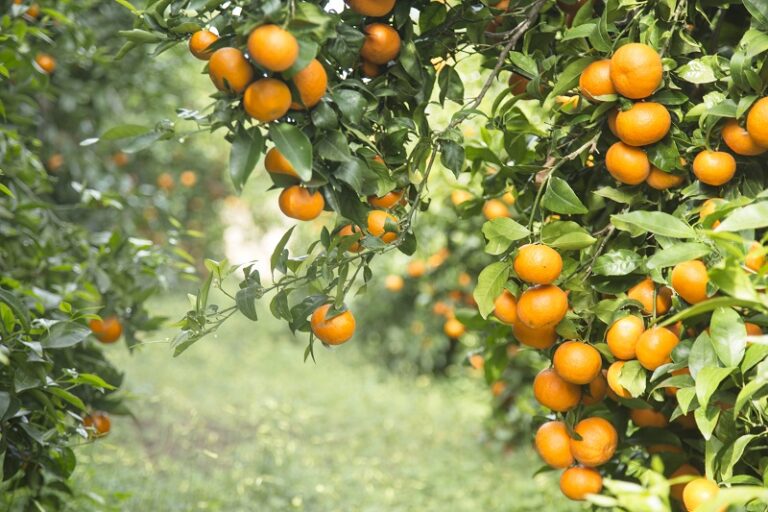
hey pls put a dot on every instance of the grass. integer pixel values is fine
(240, 422)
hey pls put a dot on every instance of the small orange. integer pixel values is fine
(495, 209)
(505, 307)
(757, 122)
(373, 8)
(370, 69)
(394, 283)
(199, 43)
(689, 280)
(120, 159)
(753, 329)
(312, 83)
(276, 163)
(655, 346)
(498, 388)
(267, 99)
(708, 207)
(54, 162)
(351, 230)
(477, 361)
(643, 124)
(416, 268)
(614, 372)
(509, 198)
(648, 418)
(577, 482)
(577, 362)
(464, 280)
(676, 491)
(555, 393)
(627, 164)
(165, 181)
(99, 422)
(622, 336)
(106, 330)
(554, 444)
(440, 308)
(453, 328)
(636, 70)
(698, 492)
(517, 83)
(381, 45)
(386, 201)
(596, 391)
(335, 330)
(33, 11)
(714, 167)
(755, 258)
(46, 63)
(595, 80)
(541, 338)
(598, 441)
(229, 70)
(377, 225)
(273, 48)
(460, 196)
(299, 203)
(661, 180)
(643, 292)
(538, 264)
(739, 140)
(542, 306)
(188, 179)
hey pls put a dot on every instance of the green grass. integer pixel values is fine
(240, 422)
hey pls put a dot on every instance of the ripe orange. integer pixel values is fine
(416, 268)
(611, 120)
(99, 423)
(755, 257)
(596, 391)
(553, 444)
(351, 230)
(106, 330)
(708, 207)
(663, 448)
(622, 336)
(54, 162)
(541, 338)
(46, 63)
(505, 307)
(267, 99)
(453, 328)
(757, 122)
(598, 441)
(509, 198)
(538, 264)
(555, 393)
(542, 306)
(689, 280)
(648, 418)
(386, 201)
(636, 70)
(165, 181)
(477, 361)
(655, 346)
(714, 167)
(627, 164)
(576, 483)
(382, 43)
(698, 492)
(299, 203)
(199, 43)
(370, 69)
(739, 140)
(335, 330)
(33, 11)
(643, 124)
(753, 329)
(377, 220)
(374, 8)
(643, 292)
(614, 371)
(276, 163)
(498, 388)
(464, 280)
(460, 196)
(188, 179)
(595, 80)
(273, 48)
(661, 180)
(495, 209)
(577, 362)
(229, 70)
(120, 159)
(676, 491)
(518, 83)
(312, 83)
(394, 283)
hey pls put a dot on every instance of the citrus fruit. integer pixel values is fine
(698, 492)
(106, 330)
(538, 264)
(276, 163)
(611, 120)
(627, 164)
(613, 374)
(370, 69)
(541, 338)
(311, 83)
(595, 80)
(495, 209)
(199, 43)
(655, 346)
(661, 180)
(577, 362)
(518, 83)
(689, 279)
(505, 307)
(597, 444)
(394, 283)
(273, 48)
(542, 306)
(676, 490)
(377, 225)
(460, 196)
(46, 63)
(643, 124)
(230, 71)
(453, 328)
(636, 70)
(386, 201)
(267, 99)
(622, 336)
(416, 268)
(54, 162)
(351, 230)
(188, 179)
(755, 258)
(381, 45)
(334, 330)
(714, 167)
(374, 8)
(739, 139)
(553, 444)
(648, 418)
(596, 390)
(553, 392)
(99, 422)
(757, 122)
(576, 483)
(299, 203)
(644, 291)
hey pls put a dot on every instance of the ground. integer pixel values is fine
(240, 423)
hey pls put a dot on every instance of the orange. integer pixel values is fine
(199, 43)
(708, 207)
(386, 201)
(505, 307)
(394, 283)
(576, 483)
(753, 329)
(46, 63)
(597, 444)
(627, 164)
(351, 230)
(622, 336)
(441, 308)
(229, 70)
(267, 99)
(276, 163)
(643, 292)
(106, 330)
(757, 122)
(273, 48)
(689, 280)
(553, 444)
(648, 418)
(188, 179)
(498, 388)
(382, 43)
(518, 83)
(377, 225)
(477, 361)
(636, 70)
(611, 120)
(509, 198)
(120, 159)
(596, 391)
(311, 82)
(698, 492)
(495, 209)
(577, 362)
(614, 371)
(714, 167)
(655, 346)
(464, 279)
(454, 328)
(538, 264)
(755, 257)
(595, 80)
(542, 306)
(33, 11)
(661, 180)
(335, 330)
(370, 69)
(165, 181)
(301, 204)
(541, 338)
(739, 140)
(416, 268)
(663, 448)
(99, 423)
(676, 491)
(374, 8)
(460, 196)
(551, 391)
(643, 124)
(54, 162)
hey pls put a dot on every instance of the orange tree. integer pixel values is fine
(633, 133)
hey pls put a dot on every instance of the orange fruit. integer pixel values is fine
(498, 388)
(596, 391)
(595, 80)
(165, 181)
(495, 209)
(477, 361)
(509, 198)
(460, 196)
(614, 371)
(46, 63)
(394, 283)
(597, 444)
(106, 330)
(98, 422)
(753, 329)
(739, 140)
(464, 279)
(374, 8)
(377, 220)
(453, 328)
(622, 336)
(441, 308)
(386, 201)
(755, 258)
(299, 203)
(538, 264)
(576, 483)
(312, 83)
(370, 69)
(708, 207)
(54, 162)
(199, 43)
(518, 83)
(273, 48)
(689, 280)
(33, 11)
(643, 292)
(661, 180)
(663, 448)
(643, 124)
(229, 70)
(505, 307)
(555, 393)
(542, 306)
(714, 167)
(188, 179)
(648, 418)
(541, 338)
(655, 346)
(416, 268)
(335, 330)
(267, 99)
(351, 230)
(276, 163)
(627, 164)
(382, 43)
(757, 122)
(676, 491)
(120, 159)
(554, 444)
(577, 362)
(611, 120)
(636, 70)
(698, 492)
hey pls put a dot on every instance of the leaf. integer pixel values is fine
(566, 236)
(67, 396)
(247, 146)
(5, 403)
(702, 354)
(358, 175)
(707, 382)
(759, 10)
(617, 263)
(728, 335)
(559, 197)
(490, 284)
(351, 103)
(752, 216)
(294, 146)
(334, 147)
(745, 395)
(16, 306)
(65, 334)
(124, 131)
(707, 306)
(632, 378)
(500, 234)
(706, 420)
(697, 71)
(452, 155)
(451, 85)
(246, 298)
(677, 253)
(658, 223)
(277, 257)
(732, 455)
(569, 78)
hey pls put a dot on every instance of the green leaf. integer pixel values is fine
(500, 234)
(747, 392)
(66, 396)
(490, 284)
(619, 262)
(452, 155)
(707, 306)
(759, 10)
(728, 335)
(732, 455)
(566, 236)
(451, 85)
(277, 259)
(294, 146)
(658, 223)
(569, 78)
(633, 377)
(677, 253)
(125, 131)
(358, 175)
(246, 298)
(752, 216)
(707, 382)
(706, 420)
(13, 302)
(701, 355)
(559, 197)
(65, 334)
(334, 146)
(351, 103)
(698, 71)
(246, 149)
